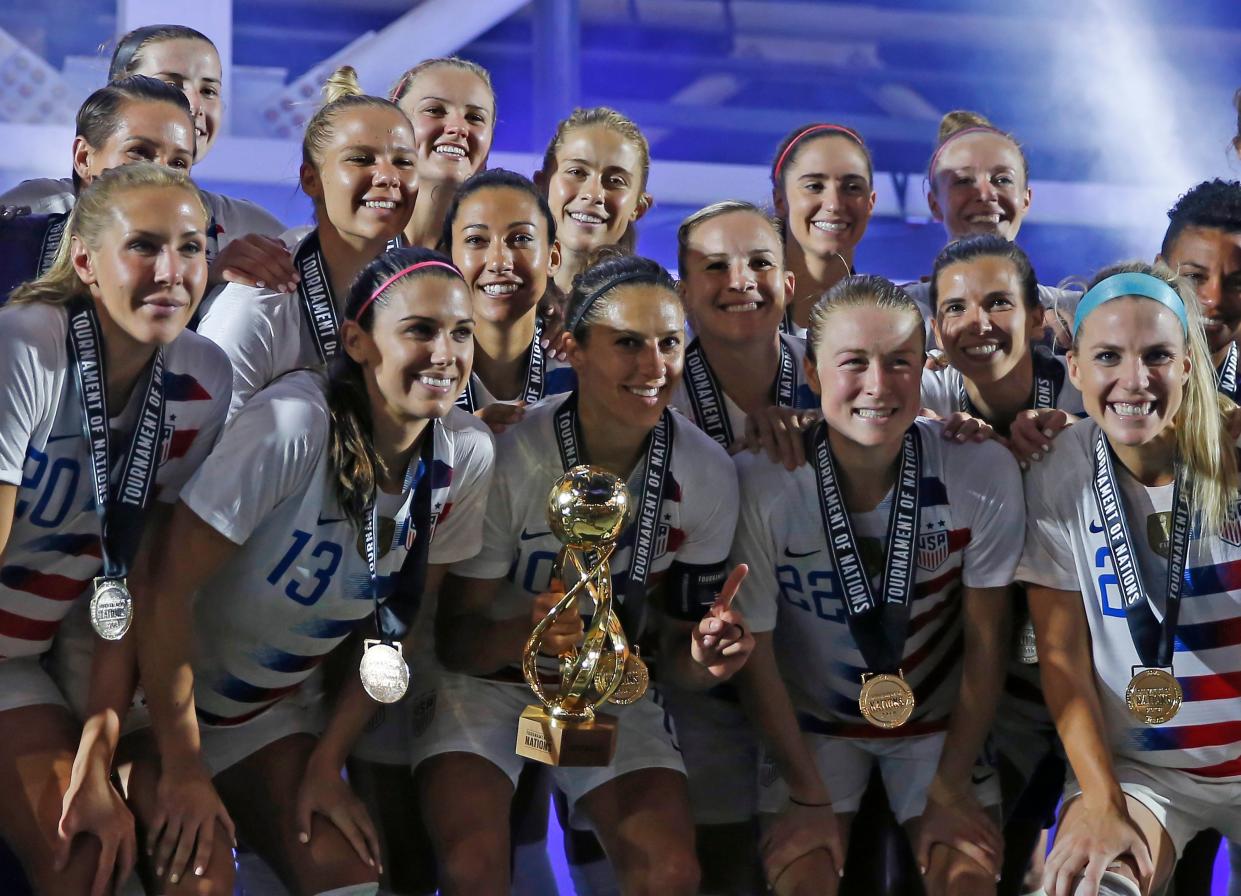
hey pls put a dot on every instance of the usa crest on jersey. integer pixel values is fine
(932, 550)
(1231, 530)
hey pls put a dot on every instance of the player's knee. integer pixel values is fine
(670, 870)
(476, 864)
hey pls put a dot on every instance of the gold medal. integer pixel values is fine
(111, 608)
(886, 701)
(383, 671)
(633, 683)
(1154, 696)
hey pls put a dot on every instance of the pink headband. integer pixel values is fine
(982, 129)
(838, 128)
(397, 276)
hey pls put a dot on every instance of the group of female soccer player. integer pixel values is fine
(923, 570)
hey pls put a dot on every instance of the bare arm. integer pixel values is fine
(467, 639)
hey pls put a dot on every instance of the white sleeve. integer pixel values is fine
(713, 522)
(754, 545)
(235, 323)
(267, 452)
(237, 217)
(495, 555)
(42, 195)
(937, 394)
(1048, 558)
(998, 512)
(459, 535)
(28, 365)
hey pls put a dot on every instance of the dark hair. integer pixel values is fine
(497, 178)
(128, 53)
(608, 269)
(981, 245)
(99, 117)
(341, 91)
(799, 138)
(355, 465)
(960, 120)
(1213, 204)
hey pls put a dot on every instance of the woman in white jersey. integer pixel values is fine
(879, 576)
(739, 371)
(107, 406)
(187, 60)
(358, 170)
(1131, 546)
(452, 106)
(822, 185)
(626, 327)
(130, 120)
(325, 499)
(594, 174)
(989, 323)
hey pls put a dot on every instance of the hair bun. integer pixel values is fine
(960, 120)
(341, 83)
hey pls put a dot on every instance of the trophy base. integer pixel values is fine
(552, 742)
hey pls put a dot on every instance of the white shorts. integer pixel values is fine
(473, 715)
(24, 682)
(388, 738)
(720, 749)
(1182, 803)
(907, 765)
(300, 712)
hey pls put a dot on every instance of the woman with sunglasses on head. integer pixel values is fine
(358, 163)
(242, 243)
(328, 507)
(107, 407)
(879, 576)
(626, 325)
(1138, 514)
(822, 186)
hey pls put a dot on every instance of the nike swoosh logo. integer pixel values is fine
(981, 779)
(526, 536)
(72, 435)
(328, 522)
(1095, 527)
(794, 556)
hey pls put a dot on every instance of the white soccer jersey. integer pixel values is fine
(264, 333)
(942, 390)
(230, 217)
(1066, 548)
(803, 395)
(53, 550)
(300, 583)
(969, 535)
(697, 513)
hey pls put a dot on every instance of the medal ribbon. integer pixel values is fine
(120, 520)
(632, 611)
(1048, 381)
(707, 398)
(535, 377)
(1154, 641)
(878, 628)
(315, 293)
(51, 241)
(1228, 373)
(412, 576)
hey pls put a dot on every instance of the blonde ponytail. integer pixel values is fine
(341, 91)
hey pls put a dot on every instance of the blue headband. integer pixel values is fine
(1131, 284)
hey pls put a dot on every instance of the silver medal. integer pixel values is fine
(385, 676)
(1027, 648)
(111, 608)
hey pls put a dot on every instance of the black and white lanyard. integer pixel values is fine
(536, 379)
(707, 398)
(632, 611)
(1048, 381)
(51, 241)
(1154, 640)
(120, 515)
(878, 628)
(1227, 374)
(315, 292)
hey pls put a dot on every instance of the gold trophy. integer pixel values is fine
(587, 511)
